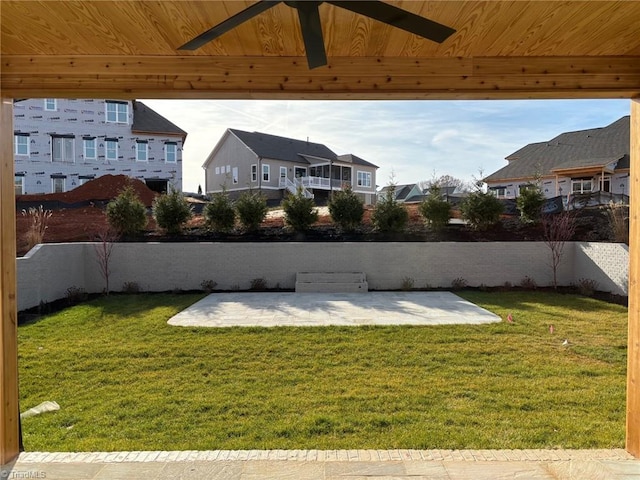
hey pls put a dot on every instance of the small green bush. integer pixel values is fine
(252, 209)
(299, 212)
(529, 204)
(126, 214)
(219, 214)
(481, 210)
(388, 215)
(172, 211)
(346, 209)
(435, 210)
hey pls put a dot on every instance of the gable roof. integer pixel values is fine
(148, 120)
(595, 147)
(291, 150)
(282, 148)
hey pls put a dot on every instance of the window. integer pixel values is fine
(283, 173)
(170, 152)
(266, 173)
(117, 112)
(21, 144)
(228, 168)
(581, 185)
(90, 150)
(57, 184)
(364, 179)
(500, 192)
(50, 104)
(62, 149)
(111, 149)
(217, 170)
(234, 175)
(254, 173)
(85, 179)
(18, 184)
(141, 151)
(605, 184)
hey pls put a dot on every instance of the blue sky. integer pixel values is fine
(412, 139)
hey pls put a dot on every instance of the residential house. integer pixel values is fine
(61, 143)
(594, 161)
(413, 193)
(252, 161)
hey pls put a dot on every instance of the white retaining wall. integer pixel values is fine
(49, 269)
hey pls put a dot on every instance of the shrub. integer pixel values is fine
(75, 295)
(481, 210)
(38, 225)
(131, 287)
(299, 211)
(172, 211)
(258, 284)
(126, 214)
(458, 283)
(407, 284)
(618, 214)
(346, 209)
(252, 209)
(587, 286)
(208, 286)
(528, 283)
(435, 210)
(529, 204)
(388, 215)
(219, 214)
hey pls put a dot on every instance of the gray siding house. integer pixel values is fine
(60, 144)
(273, 165)
(594, 161)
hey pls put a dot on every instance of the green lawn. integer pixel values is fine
(125, 380)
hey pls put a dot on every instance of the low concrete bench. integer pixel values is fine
(331, 282)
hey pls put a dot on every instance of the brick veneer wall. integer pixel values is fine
(48, 270)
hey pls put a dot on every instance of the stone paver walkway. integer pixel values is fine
(330, 465)
(266, 309)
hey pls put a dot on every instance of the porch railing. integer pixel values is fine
(294, 186)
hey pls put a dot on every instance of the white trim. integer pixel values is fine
(16, 177)
(64, 156)
(55, 105)
(175, 152)
(64, 184)
(146, 151)
(241, 189)
(369, 174)
(15, 144)
(117, 112)
(106, 149)
(262, 172)
(95, 148)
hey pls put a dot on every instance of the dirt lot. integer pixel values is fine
(87, 219)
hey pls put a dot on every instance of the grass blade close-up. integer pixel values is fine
(126, 380)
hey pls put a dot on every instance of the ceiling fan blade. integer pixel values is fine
(398, 18)
(228, 24)
(311, 32)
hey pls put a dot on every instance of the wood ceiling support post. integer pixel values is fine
(9, 413)
(633, 352)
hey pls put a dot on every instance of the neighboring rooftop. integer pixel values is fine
(291, 150)
(148, 120)
(582, 148)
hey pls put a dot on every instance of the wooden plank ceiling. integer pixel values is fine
(502, 49)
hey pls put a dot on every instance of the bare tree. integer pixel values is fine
(557, 230)
(443, 181)
(103, 247)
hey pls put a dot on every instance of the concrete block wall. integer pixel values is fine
(48, 270)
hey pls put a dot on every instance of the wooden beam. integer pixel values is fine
(633, 344)
(344, 78)
(9, 414)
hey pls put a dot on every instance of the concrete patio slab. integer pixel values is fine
(330, 465)
(267, 309)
